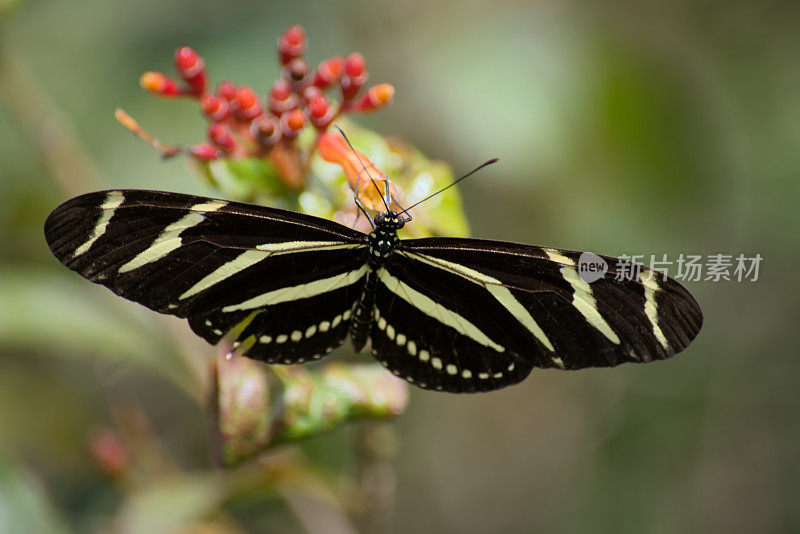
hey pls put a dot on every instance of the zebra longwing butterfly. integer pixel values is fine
(450, 314)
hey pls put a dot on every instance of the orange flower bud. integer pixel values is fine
(292, 123)
(159, 84)
(329, 72)
(320, 112)
(334, 149)
(192, 69)
(377, 97)
(246, 105)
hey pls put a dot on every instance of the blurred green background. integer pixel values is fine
(622, 128)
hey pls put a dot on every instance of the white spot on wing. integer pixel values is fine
(651, 307)
(212, 205)
(557, 257)
(302, 291)
(113, 201)
(168, 241)
(584, 302)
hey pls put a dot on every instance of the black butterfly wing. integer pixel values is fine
(220, 264)
(436, 337)
(487, 312)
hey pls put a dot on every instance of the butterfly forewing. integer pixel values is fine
(218, 263)
(537, 294)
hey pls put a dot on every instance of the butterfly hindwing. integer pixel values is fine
(437, 332)
(216, 262)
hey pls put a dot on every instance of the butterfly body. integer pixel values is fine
(450, 314)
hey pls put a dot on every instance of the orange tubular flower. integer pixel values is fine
(334, 149)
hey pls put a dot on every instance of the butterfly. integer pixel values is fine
(444, 313)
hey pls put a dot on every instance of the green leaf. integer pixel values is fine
(247, 179)
(444, 213)
(172, 503)
(24, 506)
(60, 314)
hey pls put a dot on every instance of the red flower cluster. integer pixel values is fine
(241, 124)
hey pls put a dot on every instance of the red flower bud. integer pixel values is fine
(204, 151)
(159, 84)
(227, 90)
(281, 98)
(329, 72)
(220, 135)
(377, 97)
(311, 92)
(292, 43)
(355, 76)
(109, 451)
(355, 65)
(320, 112)
(318, 107)
(192, 69)
(214, 107)
(246, 105)
(291, 123)
(266, 131)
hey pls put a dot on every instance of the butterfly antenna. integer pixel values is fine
(363, 167)
(470, 173)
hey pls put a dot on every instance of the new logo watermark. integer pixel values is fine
(690, 267)
(591, 267)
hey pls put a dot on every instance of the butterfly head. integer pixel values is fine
(389, 220)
